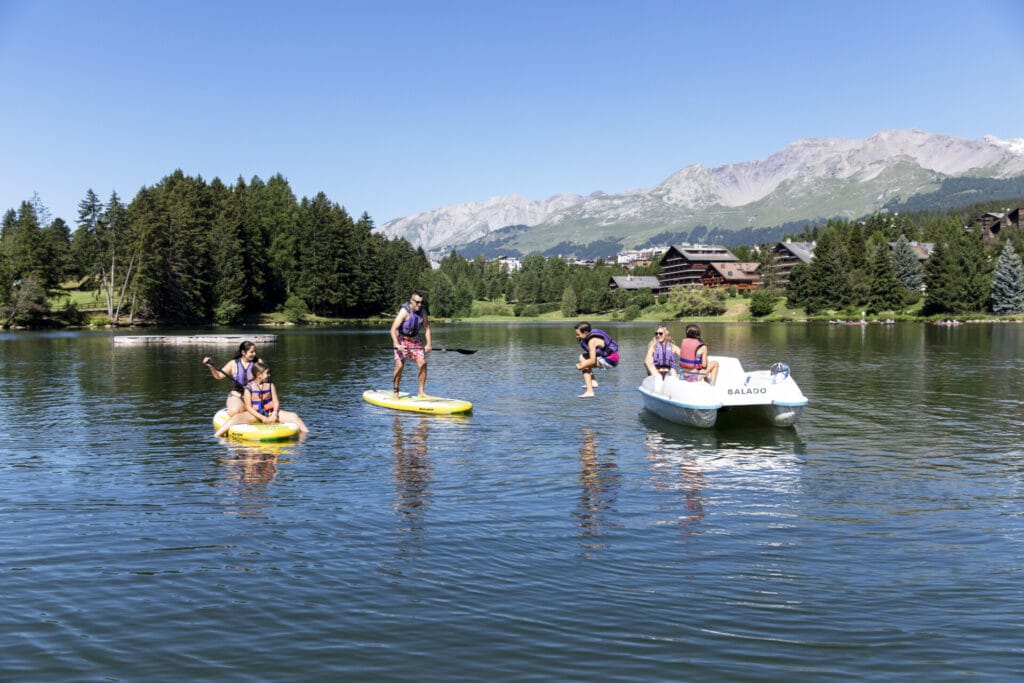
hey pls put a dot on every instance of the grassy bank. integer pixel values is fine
(92, 307)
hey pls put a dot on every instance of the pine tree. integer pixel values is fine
(326, 265)
(828, 271)
(442, 296)
(800, 288)
(886, 290)
(175, 272)
(942, 279)
(25, 249)
(274, 216)
(57, 241)
(237, 275)
(1008, 283)
(85, 247)
(7, 274)
(976, 274)
(909, 270)
(369, 260)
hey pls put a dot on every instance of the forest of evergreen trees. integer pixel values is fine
(854, 267)
(187, 251)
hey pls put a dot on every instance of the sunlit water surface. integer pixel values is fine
(544, 537)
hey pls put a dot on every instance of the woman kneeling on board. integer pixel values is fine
(239, 370)
(261, 403)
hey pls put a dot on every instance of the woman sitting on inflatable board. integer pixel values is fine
(261, 404)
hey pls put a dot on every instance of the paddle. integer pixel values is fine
(208, 363)
(464, 352)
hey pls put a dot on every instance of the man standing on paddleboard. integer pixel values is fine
(405, 339)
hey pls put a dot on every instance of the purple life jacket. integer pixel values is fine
(413, 322)
(664, 357)
(609, 347)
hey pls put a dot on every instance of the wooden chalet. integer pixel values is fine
(635, 283)
(787, 254)
(686, 264)
(993, 223)
(1016, 217)
(738, 274)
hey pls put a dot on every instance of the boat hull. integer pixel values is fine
(694, 416)
(767, 396)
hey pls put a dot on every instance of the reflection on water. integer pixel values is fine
(677, 471)
(692, 461)
(248, 471)
(599, 487)
(412, 474)
(880, 539)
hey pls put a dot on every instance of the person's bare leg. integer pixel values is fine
(423, 377)
(397, 378)
(588, 382)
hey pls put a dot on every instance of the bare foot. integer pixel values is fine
(587, 394)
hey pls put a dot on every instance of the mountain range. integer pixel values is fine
(745, 203)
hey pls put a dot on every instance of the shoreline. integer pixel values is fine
(373, 323)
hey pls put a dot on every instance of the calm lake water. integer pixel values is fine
(543, 538)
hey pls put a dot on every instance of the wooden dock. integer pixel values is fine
(195, 339)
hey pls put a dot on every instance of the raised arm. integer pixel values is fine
(223, 373)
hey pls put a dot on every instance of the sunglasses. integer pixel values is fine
(659, 334)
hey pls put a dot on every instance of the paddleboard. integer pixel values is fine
(277, 431)
(415, 404)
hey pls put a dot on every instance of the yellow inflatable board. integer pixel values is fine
(415, 404)
(278, 431)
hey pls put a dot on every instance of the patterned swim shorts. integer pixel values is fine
(412, 347)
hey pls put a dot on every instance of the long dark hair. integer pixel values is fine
(247, 373)
(242, 348)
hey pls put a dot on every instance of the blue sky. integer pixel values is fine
(393, 108)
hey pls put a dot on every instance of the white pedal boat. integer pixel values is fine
(769, 395)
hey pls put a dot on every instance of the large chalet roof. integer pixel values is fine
(635, 282)
(802, 250)
(701, 253)
(923, 250)
(736, 271)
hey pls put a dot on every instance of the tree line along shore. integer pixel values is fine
(190, 252)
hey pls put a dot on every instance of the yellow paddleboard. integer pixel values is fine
(278, 431)
(415, 404)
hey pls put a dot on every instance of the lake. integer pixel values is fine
(544, 537)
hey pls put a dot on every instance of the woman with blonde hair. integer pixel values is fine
(662, 354)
